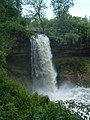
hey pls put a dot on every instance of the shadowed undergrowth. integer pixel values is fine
(17, 104)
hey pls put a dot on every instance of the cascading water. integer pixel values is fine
(43, 72)
(44, 76)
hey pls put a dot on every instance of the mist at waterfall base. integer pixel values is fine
(44, 75)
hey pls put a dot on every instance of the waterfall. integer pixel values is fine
(44, 78)
(43, 72)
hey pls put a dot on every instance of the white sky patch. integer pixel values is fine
(49, 13)
(25, 10)
(80, 8)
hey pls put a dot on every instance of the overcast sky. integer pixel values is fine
(81, 8)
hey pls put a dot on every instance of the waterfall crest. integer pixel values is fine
(43, 72)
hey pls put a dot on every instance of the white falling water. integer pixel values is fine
(44, 76)
(43, 72)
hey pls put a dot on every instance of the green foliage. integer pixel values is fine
(36, 12)
(69, 31)
(38, 9)
(61, 6)
(6, 40)
(9, 9)
(9, 14)
(11, 22)
(2, 57)
(16, 103)
(9, 32)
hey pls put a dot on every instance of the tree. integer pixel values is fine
(37, 11)
(61, 6)
(9, 9)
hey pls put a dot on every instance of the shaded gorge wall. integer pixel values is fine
(19, 64)
(19, 60)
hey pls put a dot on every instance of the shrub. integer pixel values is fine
(17, 104)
